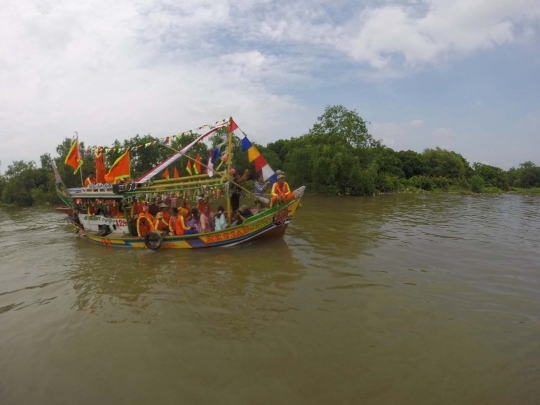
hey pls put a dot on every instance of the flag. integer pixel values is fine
(232, 126)
(253, 154)
(166, 173)
(259, 163)
(176, 175)
(188, 167)
(197, 165)
(216, 154)
(246, 144)
(119, 170)
(267, 172)
(73, 158)
(210, 166)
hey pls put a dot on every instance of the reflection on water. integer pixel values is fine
(393, 299)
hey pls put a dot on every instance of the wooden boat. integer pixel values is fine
(269, 223)
(116, 231)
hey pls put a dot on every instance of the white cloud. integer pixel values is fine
(113, 69)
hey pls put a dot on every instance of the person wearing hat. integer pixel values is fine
(281, 191)
(160, 224)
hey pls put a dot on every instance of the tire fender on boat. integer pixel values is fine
(153, 240)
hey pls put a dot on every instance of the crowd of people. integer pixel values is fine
(185, 220)
(170, 218)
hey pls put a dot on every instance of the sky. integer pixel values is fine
(463, 75)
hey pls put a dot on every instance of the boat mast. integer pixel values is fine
(229, 162)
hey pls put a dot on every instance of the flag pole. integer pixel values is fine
(79, 158)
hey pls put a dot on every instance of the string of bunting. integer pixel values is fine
(158, 141)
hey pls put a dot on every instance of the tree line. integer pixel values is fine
(336, 156)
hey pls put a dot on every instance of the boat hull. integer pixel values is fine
(269, 224)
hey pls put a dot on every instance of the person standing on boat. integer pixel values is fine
(260, 188)
(220, 220)
(154, 208)
(91, 179)
(281, 191)
(235, 190)
(100, 165)
(207, 220)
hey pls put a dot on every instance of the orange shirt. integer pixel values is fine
(143, 227)
(172, 225)
(166, 216)
(181, 225)
(280, 190)
(89, 181)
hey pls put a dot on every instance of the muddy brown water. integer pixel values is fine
(400, 299)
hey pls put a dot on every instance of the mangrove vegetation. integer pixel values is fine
(338, 156)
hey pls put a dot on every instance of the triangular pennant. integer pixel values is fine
(188, 168)
(176, 174)
(166, 173)
(232, 126)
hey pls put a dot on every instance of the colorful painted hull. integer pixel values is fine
(267, 224)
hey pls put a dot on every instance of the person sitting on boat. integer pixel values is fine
(145, 223)
(281, 191)
(91, 179)
(195, 220)
(173, 220)
(235, 190)
(165, 211)
(184, 209)
(160, 224)
(201, 203)
(183, 227)
(220, 219)
(207, 220)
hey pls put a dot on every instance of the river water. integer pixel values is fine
(399, 299)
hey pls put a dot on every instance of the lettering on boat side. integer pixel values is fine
(121, 222)
(170, 245)
(106, 242)
(224, 236)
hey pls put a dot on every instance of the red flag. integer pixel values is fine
(232, 126)
(166, 173)
(197, 165)
(176, 174)
(73, 158)
(119, 170)
(259, 163)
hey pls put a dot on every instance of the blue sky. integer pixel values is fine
(463, 75)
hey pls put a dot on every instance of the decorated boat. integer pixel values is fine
(109, 212)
